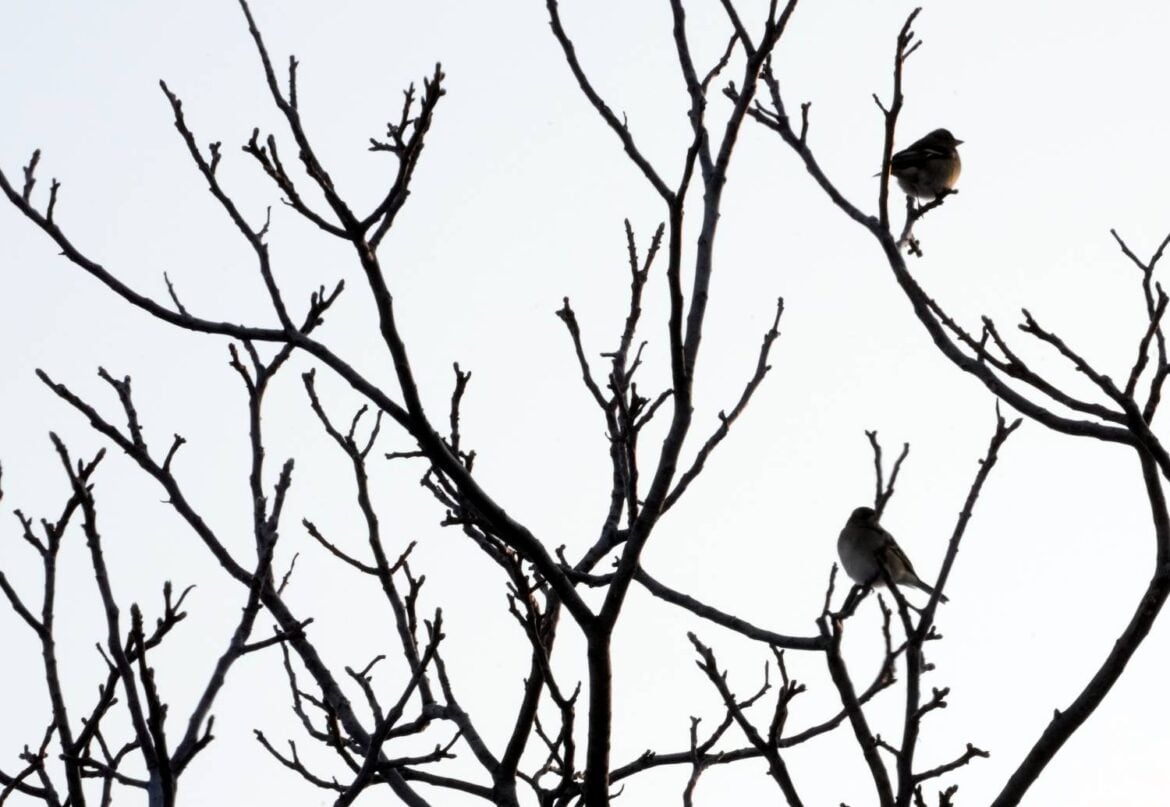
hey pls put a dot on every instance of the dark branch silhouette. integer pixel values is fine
(397, 732)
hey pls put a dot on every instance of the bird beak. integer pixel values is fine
(958, 142)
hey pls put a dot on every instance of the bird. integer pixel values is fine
(928, 168)
(865, 547)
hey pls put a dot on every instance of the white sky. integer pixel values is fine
(518, 202)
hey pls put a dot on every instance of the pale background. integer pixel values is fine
(518, 201)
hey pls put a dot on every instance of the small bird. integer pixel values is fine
(929, 167)
(865, 547)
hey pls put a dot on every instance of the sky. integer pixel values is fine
(518, 202)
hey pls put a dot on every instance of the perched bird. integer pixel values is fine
(865, 547)
(929, 167)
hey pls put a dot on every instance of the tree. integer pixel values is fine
(558, 745)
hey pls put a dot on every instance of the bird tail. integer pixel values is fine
(930, 590)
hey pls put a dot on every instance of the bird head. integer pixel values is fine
(863, 515)
(942, 137)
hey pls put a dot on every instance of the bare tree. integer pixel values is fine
(558, 747)
(1124, 414)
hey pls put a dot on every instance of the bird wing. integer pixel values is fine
(917, 154)
(894, 559)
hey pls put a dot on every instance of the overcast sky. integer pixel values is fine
(517, 203)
